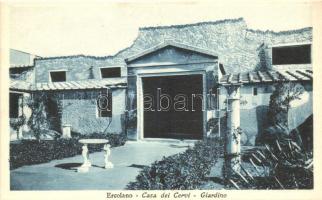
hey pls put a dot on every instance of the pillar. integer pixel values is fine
(66, 131)
(65, 127)
(232, 136)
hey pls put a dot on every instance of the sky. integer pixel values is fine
(104, 29)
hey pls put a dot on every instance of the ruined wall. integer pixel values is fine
(239, 49)
(270, 39)
(79, 109)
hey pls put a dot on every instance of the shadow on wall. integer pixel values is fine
(253, 123)
(262, 122)
(306, 132)
(54, 114)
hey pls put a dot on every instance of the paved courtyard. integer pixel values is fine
(128, 160)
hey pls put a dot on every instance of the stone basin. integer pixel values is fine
(93, 141)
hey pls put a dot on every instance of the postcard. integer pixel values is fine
(160, 100)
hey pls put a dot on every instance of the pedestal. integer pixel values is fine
(66, 129)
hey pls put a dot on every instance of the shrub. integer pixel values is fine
(293, 166)
(29, 152)
(280, 100)
(116, 139)
(273, 133)
(186, 170)
(286, 166)
(213, 125)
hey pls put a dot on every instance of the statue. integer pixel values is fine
(107, 150)
(87, 163)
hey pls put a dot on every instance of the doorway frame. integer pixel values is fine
(140, 104)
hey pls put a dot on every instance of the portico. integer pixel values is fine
(174, 69)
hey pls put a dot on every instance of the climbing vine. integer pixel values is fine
(279, 104)
(38, 119)
(236, 133)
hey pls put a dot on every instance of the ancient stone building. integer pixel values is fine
(183, 65)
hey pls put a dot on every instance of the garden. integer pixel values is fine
(284, 160)
(30, 152)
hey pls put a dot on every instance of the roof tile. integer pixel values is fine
(268, 76)
(70, 85)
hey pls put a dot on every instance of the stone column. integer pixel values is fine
(232, 137)
(65, 127)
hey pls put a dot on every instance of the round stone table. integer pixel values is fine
(87, 163)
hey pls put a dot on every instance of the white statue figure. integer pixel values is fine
(107, 154)
(87, 163)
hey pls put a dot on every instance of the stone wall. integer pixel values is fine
(78, 67)
(79, 109)
(239, 49)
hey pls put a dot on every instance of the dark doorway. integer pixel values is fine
(14, 105)
(53, 114)
(175, 123)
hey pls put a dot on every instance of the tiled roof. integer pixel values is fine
(70, 85)
(268, 76)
